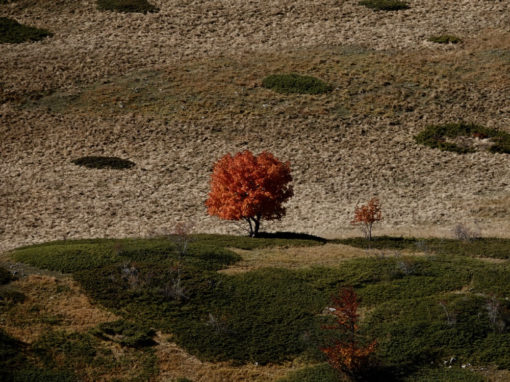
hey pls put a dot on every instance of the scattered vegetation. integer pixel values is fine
(126, 6)
(295, 83)
(449, 137)
(320, 373)
(13, 32)
(445, 39)
(385, 5)
(103, 162)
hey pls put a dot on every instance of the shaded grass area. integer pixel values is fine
(126, 6)
(481, 247)
(436, 136)
(421, 310)
(14, 33)
(100, 162)
(295, 83)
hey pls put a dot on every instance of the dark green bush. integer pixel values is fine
(385, 5)
(5, 276)
(14, 33)
(295, 83)
(435, 136)
(126, 333)
(445, 39)
(103, 162)
(126, 6)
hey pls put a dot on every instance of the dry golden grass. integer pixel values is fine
(51, 303)
(174, 91)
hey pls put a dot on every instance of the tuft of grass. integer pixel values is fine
(126, 6)
(103, 162)
(436, 136)
(445, 39)
(385, 5)
(12, 32)
(295, 83)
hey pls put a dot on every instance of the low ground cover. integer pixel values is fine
(422, 310)
(461, 138)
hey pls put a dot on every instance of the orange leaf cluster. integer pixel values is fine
(347, 354)
(248, 186)
(367, 215)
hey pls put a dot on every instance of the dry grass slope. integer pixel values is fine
(175, 90)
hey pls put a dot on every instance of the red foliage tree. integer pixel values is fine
(251, 188)
(347, 354)
(367, 215)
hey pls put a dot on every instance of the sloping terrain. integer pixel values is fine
(175, 90)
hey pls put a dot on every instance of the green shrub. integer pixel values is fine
(14, 33)
(126, 6)
(295, 83)
(435, 136)
(103, 162)
(445, 39)
(385, 5)
(444, 374)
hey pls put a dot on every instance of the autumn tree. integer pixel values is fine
(250, 188)
(366, 215)
(348, 353)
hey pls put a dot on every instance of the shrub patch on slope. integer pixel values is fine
(14, 33)
(385, 5)
(126, 6)
(103, 162)
(464, 138)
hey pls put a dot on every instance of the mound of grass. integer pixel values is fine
(483, 247)
(437, 136)
(126, 6)
(13, 32)
(103, 162)
(295, 83)
(445, 39)
(385, 5)
(412, 305)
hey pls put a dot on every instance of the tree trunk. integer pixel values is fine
(256, 220)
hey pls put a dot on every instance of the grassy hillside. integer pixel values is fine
(423, 310)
